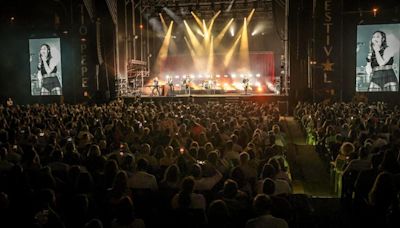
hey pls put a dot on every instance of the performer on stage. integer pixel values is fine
(245, 84)
(186, 85)
(156, 87)
(171, 86)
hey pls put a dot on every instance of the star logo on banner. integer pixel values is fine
(328, 66)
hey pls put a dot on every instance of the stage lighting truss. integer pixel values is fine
(207, 8)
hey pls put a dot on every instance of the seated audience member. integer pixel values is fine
(125, 217)
(281, 208)
(5, 165)
(361, 163)
(343, 159)
(186, 198)
(218, 215)
(237, 202)
(204, 183)
(45, 215)
(281, 186)
(141, 179)
(94, 223)
(250, 172)
(382, 198)
(262, 205)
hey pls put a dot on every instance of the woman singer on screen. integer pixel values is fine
(47, 72)
(380, 64)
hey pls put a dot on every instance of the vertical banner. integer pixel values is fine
(87, 50)
(327, 46)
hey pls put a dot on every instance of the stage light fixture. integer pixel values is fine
(259, 89)
(375, 11)
(258, 75)
(218, 76)
(232, 30)
(141, 26)
(233, 75)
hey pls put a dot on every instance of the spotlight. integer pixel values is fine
(141, 26)
(375, 11)
(258, 75)
(259, 89)
(232, 31)
(233, 75)
(218, 76)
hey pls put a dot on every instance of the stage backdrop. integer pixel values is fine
(261, 63)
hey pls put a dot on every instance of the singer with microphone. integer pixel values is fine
(379, 66)
(47, 72)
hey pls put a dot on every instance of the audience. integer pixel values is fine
(364, 155)
(136, 165)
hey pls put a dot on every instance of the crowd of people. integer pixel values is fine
(360, 142)
(144, 165)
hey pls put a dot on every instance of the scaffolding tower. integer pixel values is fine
(137, 71)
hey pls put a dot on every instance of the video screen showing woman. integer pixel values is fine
(45, 58)
(378, 70)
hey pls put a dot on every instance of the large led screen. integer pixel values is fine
(45, 66)
(377, 50)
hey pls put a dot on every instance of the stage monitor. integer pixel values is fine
(45, 67)
(378, 59)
